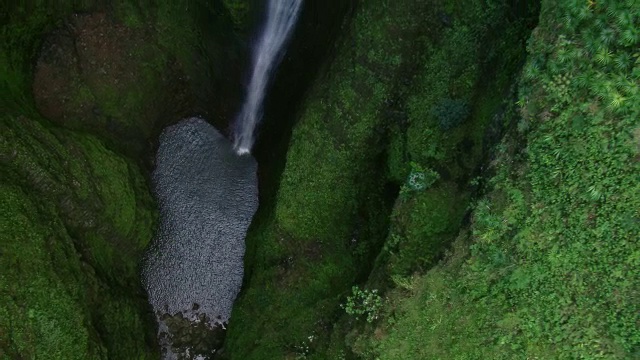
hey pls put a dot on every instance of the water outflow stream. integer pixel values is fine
(281, 19)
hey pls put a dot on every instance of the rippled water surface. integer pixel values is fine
(207, 196)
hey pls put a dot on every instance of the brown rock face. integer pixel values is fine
(97, 75)
(57, 74)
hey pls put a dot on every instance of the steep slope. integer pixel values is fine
(548, 266)
(76, 216)
(365, 128)
(84, 90)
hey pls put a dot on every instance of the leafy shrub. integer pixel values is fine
(451, 113)
(420, 179)
(363, 302)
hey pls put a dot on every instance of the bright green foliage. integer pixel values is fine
(76, 213)
(363, 302)
(51, 323)
(420, 179)
(78, 218)
(549, 267)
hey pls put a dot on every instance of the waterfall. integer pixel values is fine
(282, 16)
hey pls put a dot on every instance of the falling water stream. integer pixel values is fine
(281, 19)
(207, 194)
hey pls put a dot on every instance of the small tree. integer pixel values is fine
(363, 302)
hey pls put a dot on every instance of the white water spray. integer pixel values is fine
(282, 16)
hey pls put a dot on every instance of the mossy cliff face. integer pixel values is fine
(125, 71)
(83, 93)
(96, 74)
(303, 259)
(543, 265)
(365, 127)
(392, 180)
(77, 216)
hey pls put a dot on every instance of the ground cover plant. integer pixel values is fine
(548, 266)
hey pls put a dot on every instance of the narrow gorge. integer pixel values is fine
(345, 179)
(207, 194)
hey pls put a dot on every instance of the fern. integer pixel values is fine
(616, 101)
(563, 56)
(624, 19)
(582, 81)
(623, 61)
(607, 36)
(531, 71)
(604, 56)
(599, 89)
(630, 37)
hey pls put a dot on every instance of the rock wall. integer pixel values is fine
(364, 131)
(84, 92)
(76, 217)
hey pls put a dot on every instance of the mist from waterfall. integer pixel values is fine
(281, 17)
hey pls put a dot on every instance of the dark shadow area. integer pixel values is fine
(310, 51)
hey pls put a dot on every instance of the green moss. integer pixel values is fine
(136, 59)
(79, 212)
(547, 268)
(19, 42)
(425, 328)
(327, 217)
(78, 217)
(240, 10)
(333, 167)
(111, 175)
(428, 221)
(40, 313)
(461, 65)
(458, 67)
(398, 166)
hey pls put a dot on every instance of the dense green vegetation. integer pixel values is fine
(78, 96)
(330, 219)
(548, 267)
(544, 268)
(463, 181)
(77, 217)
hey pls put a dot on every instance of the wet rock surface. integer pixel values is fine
(207, 196)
